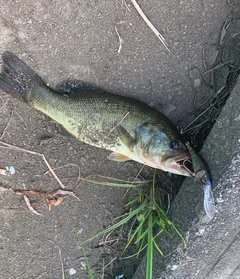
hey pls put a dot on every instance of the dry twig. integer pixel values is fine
(8, 24)
(123, 4)
(5, 128)
(120, 40)
(118, 123)
(16, 148)
(26, 199)
(155, 31)
(218, 66)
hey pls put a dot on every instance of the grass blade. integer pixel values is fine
(117, 184)
(141, 247)
(138, 197)
(136, 254)
(85, 257)
(120, 180)
(123, 221)
(149, 249)
(157, 247)
(139, 228)
(147, 230)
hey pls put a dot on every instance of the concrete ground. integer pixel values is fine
(213, 246)
(77, 39)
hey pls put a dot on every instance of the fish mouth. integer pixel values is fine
(181, 164)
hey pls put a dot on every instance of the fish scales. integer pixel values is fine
(92, 116)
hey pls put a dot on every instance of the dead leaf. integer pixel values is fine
(56, 202)
(65, 193)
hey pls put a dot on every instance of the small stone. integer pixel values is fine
(72, 271)
(197, 82)
(174, 267)
(83, 265)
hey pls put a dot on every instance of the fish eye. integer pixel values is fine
(204, 179)
(174, 144)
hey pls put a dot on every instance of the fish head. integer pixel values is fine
(162, 149)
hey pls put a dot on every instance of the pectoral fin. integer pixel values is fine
(118, 157)
(125, 137)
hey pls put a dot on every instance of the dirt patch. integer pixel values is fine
(78, 40)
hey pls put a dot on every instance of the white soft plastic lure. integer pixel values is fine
(209, 205)
(202, 173)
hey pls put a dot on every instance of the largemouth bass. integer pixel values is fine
(129, 128)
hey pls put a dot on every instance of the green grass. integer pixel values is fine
(146, 217)
(85, 257)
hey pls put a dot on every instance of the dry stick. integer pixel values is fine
(13, 147)
(218, 66)
(225, 27)
(108, 241)
(8, 24)
(155, 31)
(5, 129)
(52, 171)
(195, 119)
(69, 165)
(110, 262)
(204, 56)
(30, 206)
(120, 40)
(102, 276)
(134, 179)
(4, 103)
(118, 123)
(123, 3)
(209, 108)
(60, 255)
(196, 127)
(169, 204)
(139, 173)
(21, 118)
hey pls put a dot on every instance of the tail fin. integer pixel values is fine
(16, 77)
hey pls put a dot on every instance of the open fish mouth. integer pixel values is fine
(181, 164)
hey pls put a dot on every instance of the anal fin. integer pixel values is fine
(54, 127)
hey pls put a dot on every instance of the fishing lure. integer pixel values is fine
(202, 173)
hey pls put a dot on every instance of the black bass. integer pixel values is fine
(128, 127)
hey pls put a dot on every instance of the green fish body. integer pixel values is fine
(129, 128)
